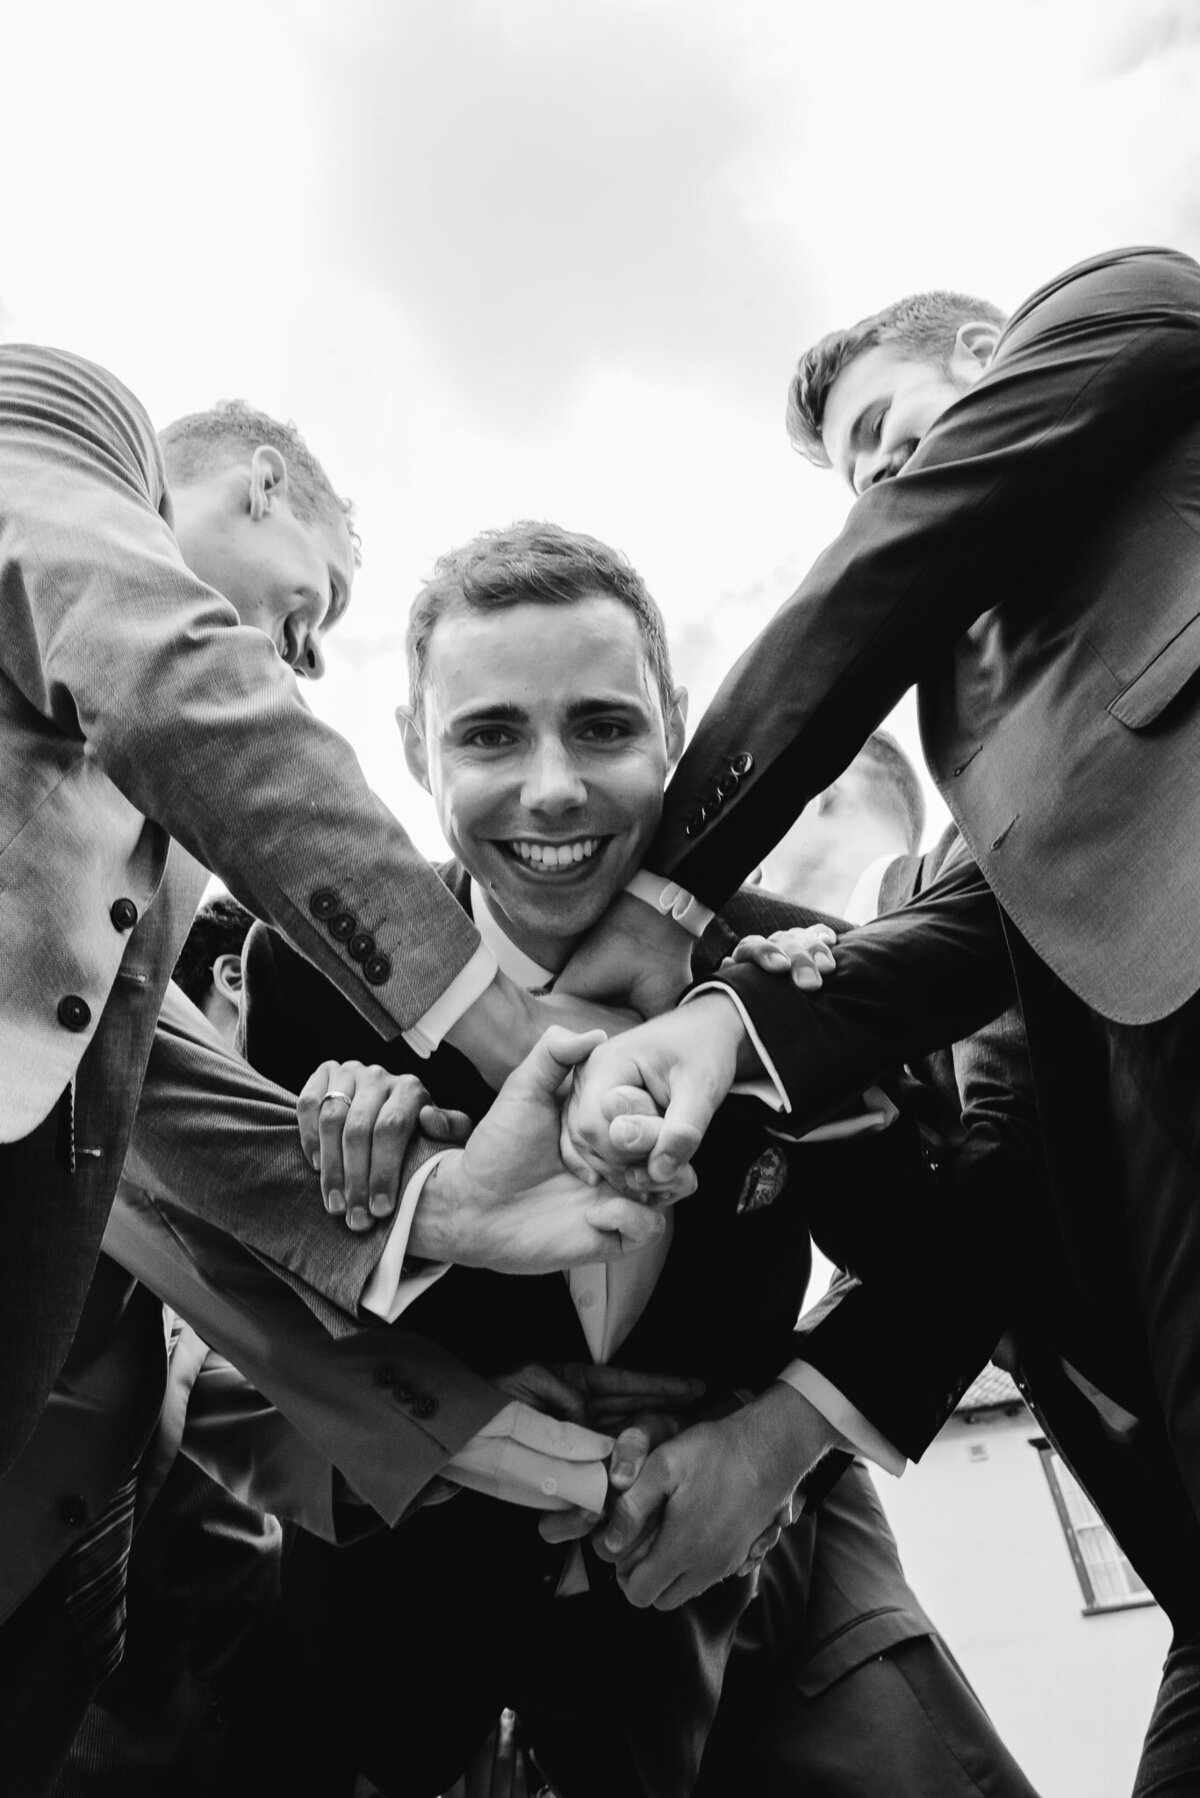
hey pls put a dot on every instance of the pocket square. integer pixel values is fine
(764, 1182)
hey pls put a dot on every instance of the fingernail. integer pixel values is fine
(315, 1159)
(621, 1470)
(613, 1540)
(381, 1204)
(807, 977)
(778, 959)
(625, 1135)
(336, 1202)
(359, 1219)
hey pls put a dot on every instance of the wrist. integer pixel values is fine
(498, 1030)
(797, 1434)
(715, 1013)
(438, 1231)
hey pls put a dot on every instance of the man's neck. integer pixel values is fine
(528, 958)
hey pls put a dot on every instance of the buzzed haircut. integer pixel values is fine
(219, 928)
(230, 432)
(893, 786)
(533, 562)
(924, 325)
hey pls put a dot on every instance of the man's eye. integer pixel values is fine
(606, 730)
(489, 736)
(877, 423)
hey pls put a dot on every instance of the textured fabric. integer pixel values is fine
(95, 1596)
(133, 707)
(1036, 570)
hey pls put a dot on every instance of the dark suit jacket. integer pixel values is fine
(1036, 569)
(724, 1307)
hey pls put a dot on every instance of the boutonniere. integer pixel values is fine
(764, 1182)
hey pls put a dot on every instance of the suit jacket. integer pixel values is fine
(1036, 570)
(724, 1307)
(133, 710)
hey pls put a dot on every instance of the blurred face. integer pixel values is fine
(884, 401)
(284, 576)
(544, 745)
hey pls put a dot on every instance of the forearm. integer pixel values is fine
(916, 980)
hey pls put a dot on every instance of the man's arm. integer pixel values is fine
(1098, 368)
(904, 984)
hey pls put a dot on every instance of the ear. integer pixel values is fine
(974, 346)
(227, 977)
(268, 476)
(677, 725)
(415, 754)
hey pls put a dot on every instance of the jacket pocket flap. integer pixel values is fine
(1148, 695)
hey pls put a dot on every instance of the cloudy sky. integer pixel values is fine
(511, 258)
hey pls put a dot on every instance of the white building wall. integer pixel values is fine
(984, 1550)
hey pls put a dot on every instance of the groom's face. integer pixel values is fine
(544, 745)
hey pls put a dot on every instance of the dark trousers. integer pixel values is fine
(905, 1724)
(393, 1657)
(1120, 1113)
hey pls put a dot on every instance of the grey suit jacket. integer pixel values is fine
(1036, 569)
(134, 709)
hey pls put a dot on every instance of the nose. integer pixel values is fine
(308, 657)
(552, 783)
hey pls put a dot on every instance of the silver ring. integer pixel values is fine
(334, 1093)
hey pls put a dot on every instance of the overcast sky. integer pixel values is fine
(519, 258)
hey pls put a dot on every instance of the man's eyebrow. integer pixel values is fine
(605, 702)
(490, 712)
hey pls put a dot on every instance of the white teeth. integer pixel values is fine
(555, 855)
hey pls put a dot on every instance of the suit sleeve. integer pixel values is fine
(905, 984)
(192, 716)
(1099, 368)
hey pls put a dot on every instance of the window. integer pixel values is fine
(1106, 1578)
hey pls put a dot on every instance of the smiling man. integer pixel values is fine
(544, 720)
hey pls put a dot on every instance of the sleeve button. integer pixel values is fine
(324, 903)
(343, 925)
(360, 946)
(741, 764)
(376, 969)
(425, 1405)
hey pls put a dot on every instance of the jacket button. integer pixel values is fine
(124, 914)
(360, 946)
(404, 1392)
(324, 903)
(376, 969)
(741, 764)
(73, 1510)
(383, 1374)
(693, 827)
(425, 1405)
(727, 784)
(74, 1013)
(343, 925)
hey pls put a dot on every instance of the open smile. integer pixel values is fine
(547, 860)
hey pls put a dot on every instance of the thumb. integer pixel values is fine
(628, 1456)
(551, 1059)
(636, 1512)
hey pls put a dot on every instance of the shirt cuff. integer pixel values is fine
(858, 1431)
(469, 984)
(668, 897)
(771, 1089)
(391, 1289)
(527, 1458)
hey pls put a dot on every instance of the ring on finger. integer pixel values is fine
(335, 1092)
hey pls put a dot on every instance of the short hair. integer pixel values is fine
(925, 324)
(893, 786)
(219, 928)
(231, 431)
(533, 562)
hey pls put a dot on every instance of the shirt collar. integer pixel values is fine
(520, 968)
